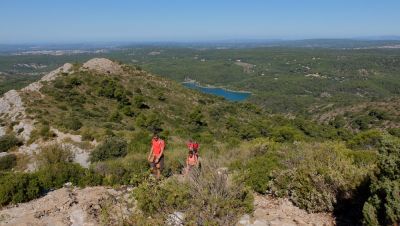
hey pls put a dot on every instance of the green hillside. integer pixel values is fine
(319, 167)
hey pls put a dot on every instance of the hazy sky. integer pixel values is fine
(185, 20)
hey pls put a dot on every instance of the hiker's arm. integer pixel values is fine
(151, 152)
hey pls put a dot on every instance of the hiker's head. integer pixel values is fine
(191, 153)
(155, 136)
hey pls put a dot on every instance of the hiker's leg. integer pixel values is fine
(153, 168)
(158, 171)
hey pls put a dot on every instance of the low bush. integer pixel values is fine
(23, 187)
(8, 141)
(7, 162)
(313, 176)
(207, 198)
(112, 147)
(366, 140)
(394, 132)
(131, 170)
(286, 134)
(87, 134)
(383, 205)
(54, 153)
(155, 197)
(55, 175)
(19, 187)
(72, 123)
(151, 122)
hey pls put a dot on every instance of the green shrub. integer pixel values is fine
(214, 200)
(87, 135)
(313, 176)
(54, 153)
(72, 123)
(383, 205)
(45, 132)
(338, 122)
(128, 111)
(19, 187)
(151, 122)
(140, 142)
(23, 187)
(394, 132)
(206, 198)
(196, 119)
(7, 142)
(115, 116)
(156, 197)
(112, 147)
(366, 140)
(257, 172)
(130, 170)
(73, 81)
(8, 162)
(139, 102)
(56, 175)
(286, 134)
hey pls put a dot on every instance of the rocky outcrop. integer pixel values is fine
(35, 87)
(103, 66)
(12, 108)
(271, 211)
(71, 206)
(13, 115)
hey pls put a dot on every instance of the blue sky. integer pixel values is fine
(188, 20)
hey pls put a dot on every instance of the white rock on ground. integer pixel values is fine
(69, 206)
(35, 87)
(11, 105)
(103, 65)
(271, 211)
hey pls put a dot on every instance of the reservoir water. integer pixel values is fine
(227, 94)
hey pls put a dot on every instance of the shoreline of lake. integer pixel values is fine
(198, 84)
(230, 95)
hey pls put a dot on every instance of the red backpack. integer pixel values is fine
(195, 146)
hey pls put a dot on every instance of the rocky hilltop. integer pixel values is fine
(104, 114)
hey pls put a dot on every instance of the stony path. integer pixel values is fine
(281, 212)
(67, 206)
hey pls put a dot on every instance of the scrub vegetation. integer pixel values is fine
(347, 165)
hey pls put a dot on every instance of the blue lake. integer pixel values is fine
(227, 94)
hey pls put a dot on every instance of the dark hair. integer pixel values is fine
(156, 135)
(191, 152)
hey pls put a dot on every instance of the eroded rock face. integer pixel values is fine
(11, 105)
(15, 118)
(69, 206)
(281, 212)
(35, 87)
(103, 66)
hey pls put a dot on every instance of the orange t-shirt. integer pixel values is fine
(192, 160)
(157, 146)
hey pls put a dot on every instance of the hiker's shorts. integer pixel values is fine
(160, 161)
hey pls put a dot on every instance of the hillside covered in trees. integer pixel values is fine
(91, 125)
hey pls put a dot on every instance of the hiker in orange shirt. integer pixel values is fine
(191, 162)
(156, 155)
